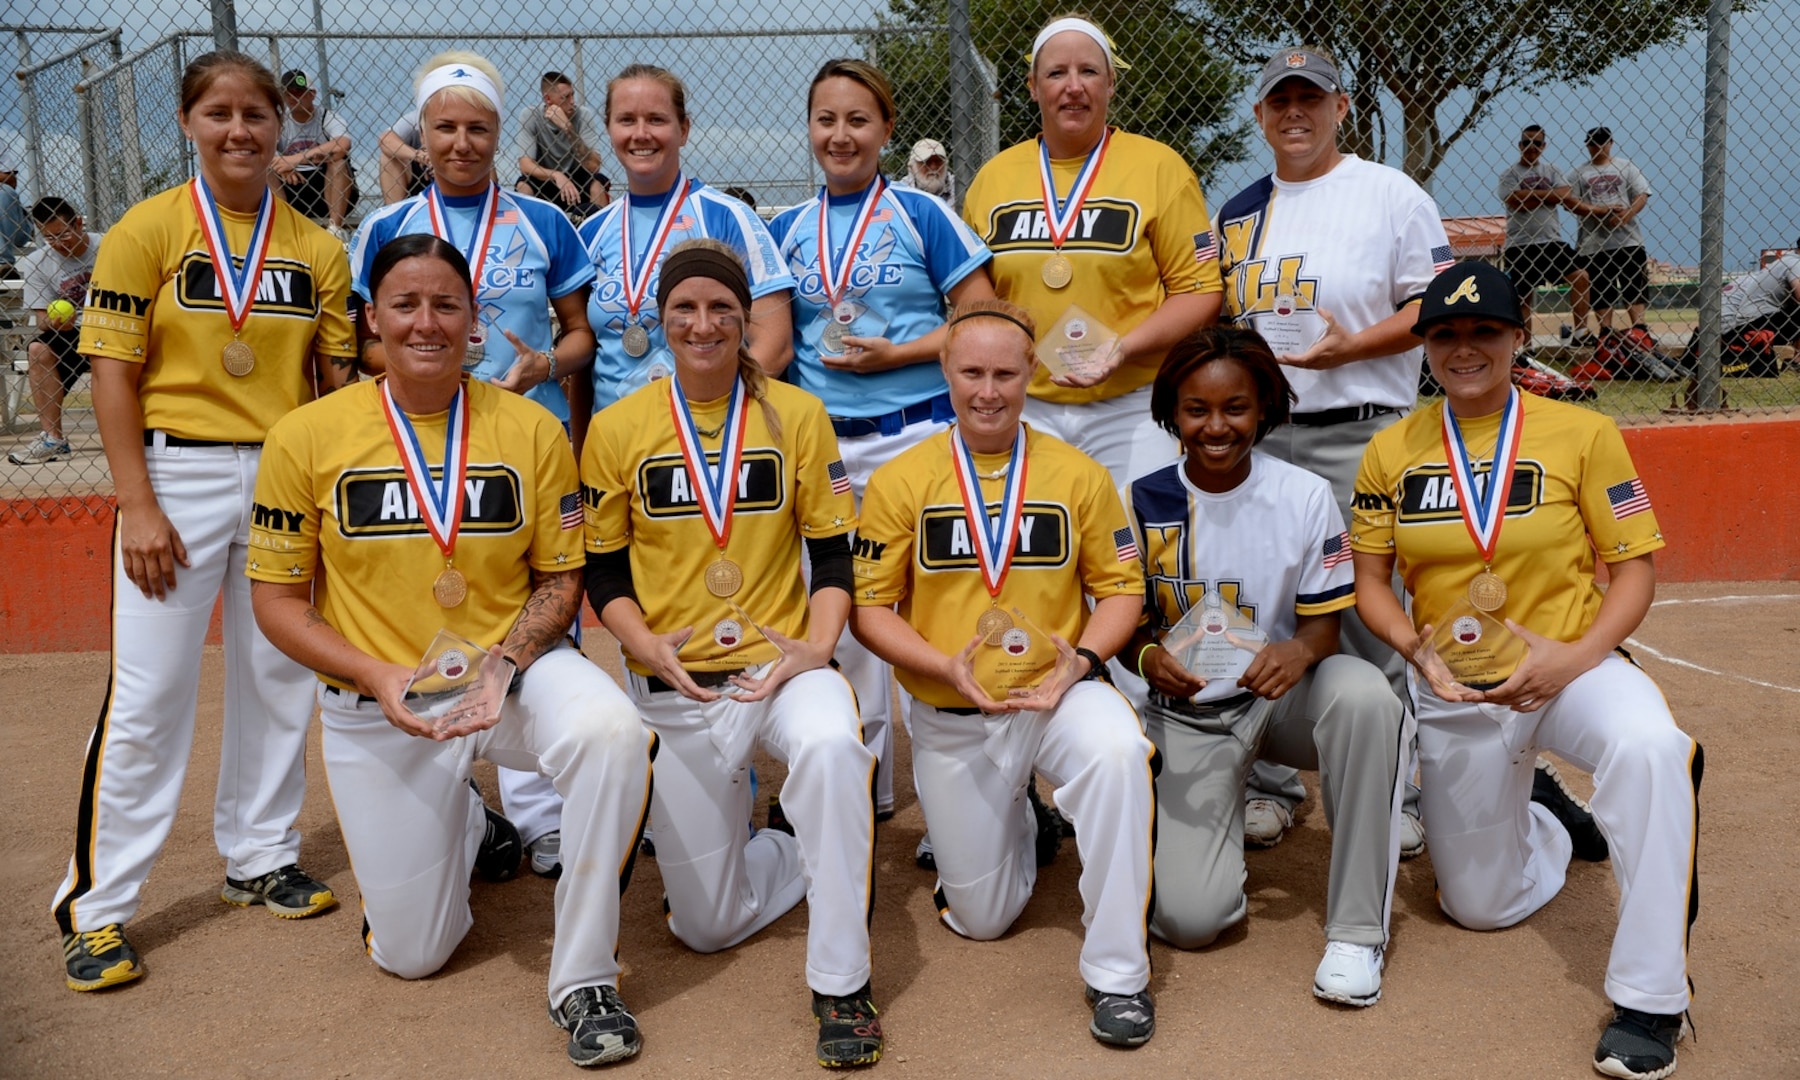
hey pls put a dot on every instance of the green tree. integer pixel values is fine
(1179, 90)
(1442, 62)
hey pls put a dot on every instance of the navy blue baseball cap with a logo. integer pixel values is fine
(1473, 288)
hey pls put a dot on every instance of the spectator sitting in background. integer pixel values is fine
(1609, 193)
(1759, 311)
(405, 166)
(556, 160)
(56, 282)
(1532, 190)
(928, 169)
(15, 231)
(311, 170)
(741, 194)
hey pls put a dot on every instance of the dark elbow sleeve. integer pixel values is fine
(608, 577)
(830, 562)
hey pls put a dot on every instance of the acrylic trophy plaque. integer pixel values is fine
(1016, 657)
(1472, 647)
(457, 681)
(1076, 344)
(1214, 640)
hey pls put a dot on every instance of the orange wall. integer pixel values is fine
(1726, 492)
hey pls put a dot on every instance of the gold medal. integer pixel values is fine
(1058, 271)
(450, 588)
(1486, 591)
(993, 625)
(239, 359)
(724, 578)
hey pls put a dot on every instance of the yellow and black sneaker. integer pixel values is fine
(288, 893)
(849, 1029)
(97, 959)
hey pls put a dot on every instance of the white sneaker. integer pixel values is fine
(1266, 822)
(1412, 836)
(1349, 973)
(546, 854)
(40, 450)
(339, 233)
(923, 857)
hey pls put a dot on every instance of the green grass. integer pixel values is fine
(1639, 401)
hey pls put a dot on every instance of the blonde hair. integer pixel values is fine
(756, 380)
(462, 93)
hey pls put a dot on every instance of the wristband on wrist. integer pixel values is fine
(550, 358)
(1140, 659)
(1095, 664)
(518, 675)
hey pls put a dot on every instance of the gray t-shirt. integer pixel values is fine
(1760, 293)
(296, 136)
(1616, 183)
(47, 274)
(407, 128)
(550, 146)
(1538, 225)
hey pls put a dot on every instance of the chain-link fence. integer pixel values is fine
(1453, 92)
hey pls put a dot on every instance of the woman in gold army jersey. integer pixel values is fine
(213, 311)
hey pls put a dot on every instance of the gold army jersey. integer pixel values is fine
(1574, 491)
(331, 491)
(636, 491)
(1143, 235)
(154, 300)
(914, 549)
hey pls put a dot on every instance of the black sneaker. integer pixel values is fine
(501, 849)
(97, 959)
(601, 1030)
(849, 1029)
(288, 893)
(1049, 826)
(1639, 1045)
(1122, 1019)
(1549, 791)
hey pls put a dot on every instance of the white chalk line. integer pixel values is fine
(1678, 662)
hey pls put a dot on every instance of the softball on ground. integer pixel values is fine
(61, 314)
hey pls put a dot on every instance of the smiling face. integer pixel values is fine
(422, 314)
(1072, 83)
(988, 367)
(1217, 412)
(704, 325)
(647, 134)
(847, 132)
(461, 137)
(1471, 358)
(235, 127)
(1300, 122)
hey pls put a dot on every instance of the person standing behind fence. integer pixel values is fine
(214, 310)
(1532, 190)
(405, 166)
(55, 277)
(1114, 223)
(647, 121)
(15, 228)
(527, 261)
(928, 169)
(873, 264)
(1610, 192)
(1326, 257)
(312, 163)
(556, 161)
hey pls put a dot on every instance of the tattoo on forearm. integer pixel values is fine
(313, 618)
(551, 607)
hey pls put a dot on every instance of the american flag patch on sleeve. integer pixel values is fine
(570, 505)
(840, 478)
(1442, 259)
(1337, 550)
(1125, 543)
(1205, 246)
(1628, 498)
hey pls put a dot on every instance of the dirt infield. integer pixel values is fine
(235, 993)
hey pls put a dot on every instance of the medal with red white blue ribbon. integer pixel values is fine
(637, 281)
(1060, 215)
(440, 503)
(237, 282)
(476, 256)
(715, 489)
(1484, 509)
(834, 274)
(994, 539)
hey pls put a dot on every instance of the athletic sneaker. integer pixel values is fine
(849, 1029)
(501, 850)
(1412, 835)
(1349, 974)
(1266, 822)
(41, 449)
(288, 893)
(97, 959)
(1640, 1045)
(1122, 1019)
(601, 1029)
(923, 857)
(546, 854)
(1049, 826)
(1549, 791)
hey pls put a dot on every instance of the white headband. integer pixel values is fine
(1084, 28)
(457, 75)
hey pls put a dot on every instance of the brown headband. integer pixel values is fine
(962, 316)
(706, 263)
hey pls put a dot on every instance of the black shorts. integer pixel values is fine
(418, 178)
(580, 177)
(1531, 265)
(64, 344)
(1617, 277)
(308, 196)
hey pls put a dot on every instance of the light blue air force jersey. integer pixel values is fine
(915, 250)
(706, 213)
(533, 257)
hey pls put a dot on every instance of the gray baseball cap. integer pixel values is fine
(1299, 63)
